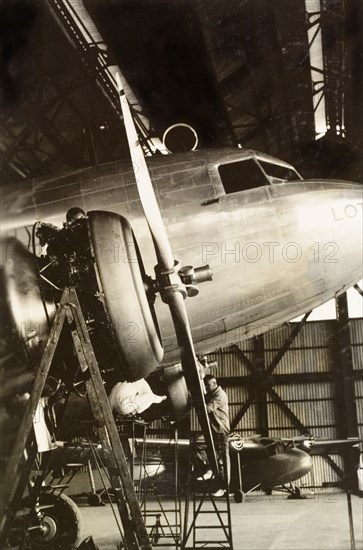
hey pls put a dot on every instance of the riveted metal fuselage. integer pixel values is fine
(276, 251)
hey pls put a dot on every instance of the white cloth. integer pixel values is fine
(131, 398)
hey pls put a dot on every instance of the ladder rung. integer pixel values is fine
(212, 512)
(165, 525)
(229, 547)
(225, 527)
(213, 542)
(156, 513)
(162, 536)
(204, 543)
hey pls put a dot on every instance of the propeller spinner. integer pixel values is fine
(170, 279)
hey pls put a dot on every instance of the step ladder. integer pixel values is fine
(207, 519)
(69, 315)
(160, 505)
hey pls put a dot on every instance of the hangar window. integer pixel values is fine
(241, 175)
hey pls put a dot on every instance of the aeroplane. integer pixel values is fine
(277, 463)
(258, 463)
(277, 246)
(261, 463)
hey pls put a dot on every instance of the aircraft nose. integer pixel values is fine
(343, 199)
(330, 220)
(301, 462)
(280, 251)
(346, 197)
(306, 463)
(344, 229)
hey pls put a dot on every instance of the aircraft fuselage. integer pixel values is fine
(273, 471)
(276, 250)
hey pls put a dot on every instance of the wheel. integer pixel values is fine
(59, 524)
(296, 494)
(94, 499)
(239, 496)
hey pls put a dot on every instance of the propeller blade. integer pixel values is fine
(191, 372)
(145, 186)
(174, 298)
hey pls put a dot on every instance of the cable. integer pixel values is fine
(98, 461)
(39, 276)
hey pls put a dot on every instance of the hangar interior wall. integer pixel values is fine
(302, 394)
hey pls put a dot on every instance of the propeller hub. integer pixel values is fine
(193, 276)
(169, 281)
(181, 279)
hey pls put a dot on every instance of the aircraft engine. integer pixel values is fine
(27, 309)
(97, 254)
(111, 288)
(236, 443)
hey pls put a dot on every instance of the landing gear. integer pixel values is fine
(95, 499)
(239, 496)
(295, 493)
(55, 525)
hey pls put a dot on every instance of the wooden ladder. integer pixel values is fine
(25, 449)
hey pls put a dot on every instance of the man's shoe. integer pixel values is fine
(219, 493)
(208, 475)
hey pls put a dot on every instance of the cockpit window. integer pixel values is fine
(254, 172)
(277, 173)
(241, 175)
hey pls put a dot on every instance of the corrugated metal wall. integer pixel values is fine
(306, 381)
(356, 334)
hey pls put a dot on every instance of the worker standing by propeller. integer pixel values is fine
(217, 408)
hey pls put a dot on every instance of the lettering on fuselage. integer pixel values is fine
(349, 211)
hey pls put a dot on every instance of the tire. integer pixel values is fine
(239, 496)
(121, 285)
(94, 499)
(61, 522)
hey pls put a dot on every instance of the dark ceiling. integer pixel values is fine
(160, 48)
(238, 71)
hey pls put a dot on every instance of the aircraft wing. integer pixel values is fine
(76, 454)
(237, 444)
(317, 446)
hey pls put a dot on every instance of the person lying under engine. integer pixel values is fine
(132, 398)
